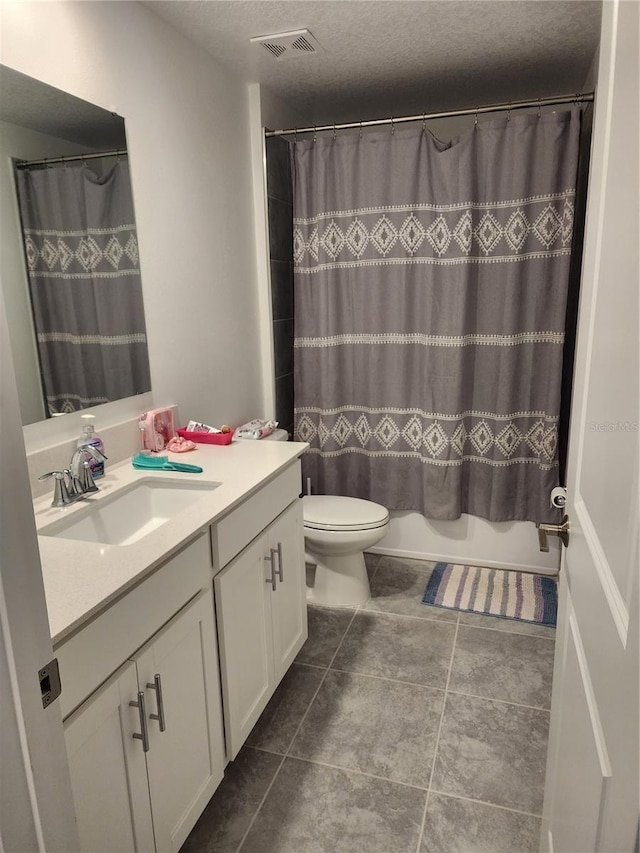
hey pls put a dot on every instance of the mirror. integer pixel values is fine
(38, 121)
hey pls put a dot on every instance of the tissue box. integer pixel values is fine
(207, 437)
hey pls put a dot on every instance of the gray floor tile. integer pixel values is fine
(416, 650)
(231, 809)
(371, 561)
(497, 665)
(381, 727)
(326, 629)
(317, 809)
(513, 626)
(279, 721)
(459, 826)
(398, 587)
(493, 752)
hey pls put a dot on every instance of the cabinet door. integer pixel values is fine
(185, 761)
(288, 600)
(244, 631)
(108, 770)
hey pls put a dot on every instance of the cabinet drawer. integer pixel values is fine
(243, 524)
(90, 656)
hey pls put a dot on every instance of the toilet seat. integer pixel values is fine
(332, 512)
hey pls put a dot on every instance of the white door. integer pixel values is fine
(185, 760)
(591, 795)
(109, 771)
(288, 599)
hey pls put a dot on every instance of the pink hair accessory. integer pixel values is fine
(180, 445)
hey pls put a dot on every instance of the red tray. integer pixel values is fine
(207, 437)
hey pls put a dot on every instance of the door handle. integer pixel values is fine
(560, 530)
(280, 570)
(157, 686)
(272, 559)
(143, 734)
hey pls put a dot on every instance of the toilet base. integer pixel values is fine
(340, 581)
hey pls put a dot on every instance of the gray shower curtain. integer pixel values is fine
(82, 261)
(430, 294)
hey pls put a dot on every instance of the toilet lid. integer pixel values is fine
(329, 512)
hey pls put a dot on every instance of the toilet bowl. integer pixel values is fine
(337, 530)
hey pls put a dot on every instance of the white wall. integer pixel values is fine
(187, 123)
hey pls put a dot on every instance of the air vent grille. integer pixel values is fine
(289, 45)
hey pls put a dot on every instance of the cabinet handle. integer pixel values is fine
(271, 559)
(157, 686)
(280, 570)
(144, 732)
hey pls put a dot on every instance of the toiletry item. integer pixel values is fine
(194, 426)
(161, 463)
(156, 428)
(256, 429)
(207, 437)
(89, 436)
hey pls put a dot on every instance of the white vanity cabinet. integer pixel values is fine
(262, 621)
(145, 751)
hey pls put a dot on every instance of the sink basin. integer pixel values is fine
(130, 514)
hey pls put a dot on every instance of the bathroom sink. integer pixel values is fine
(130, 514)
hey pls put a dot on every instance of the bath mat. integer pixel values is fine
(493, 592)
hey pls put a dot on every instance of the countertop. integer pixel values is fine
(82, 578)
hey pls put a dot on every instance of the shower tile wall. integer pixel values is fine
(280, 199)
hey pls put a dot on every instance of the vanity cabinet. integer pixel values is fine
(146, 749)
(262, 621)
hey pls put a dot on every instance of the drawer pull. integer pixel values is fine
(157, 686)
(143, 735)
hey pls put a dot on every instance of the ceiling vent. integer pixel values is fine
(289, 45)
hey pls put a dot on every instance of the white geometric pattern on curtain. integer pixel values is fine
(81, 250)
(430, 296)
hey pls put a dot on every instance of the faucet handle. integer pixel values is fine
(61, 495)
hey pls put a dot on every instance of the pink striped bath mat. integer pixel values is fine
(494, 592)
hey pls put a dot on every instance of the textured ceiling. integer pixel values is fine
(33, 104)
(395, 57)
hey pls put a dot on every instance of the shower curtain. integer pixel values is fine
(82, 261)
(430, 294)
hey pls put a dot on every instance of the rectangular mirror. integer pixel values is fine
(69, 263)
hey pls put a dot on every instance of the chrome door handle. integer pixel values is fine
(279, 570)
(562, 531)
(143, 735)
(157, 686)
(271, 559)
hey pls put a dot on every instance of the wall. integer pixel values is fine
(280, 213)
(188, 138)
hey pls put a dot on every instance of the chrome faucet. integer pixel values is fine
(81, 478)
(61, 494)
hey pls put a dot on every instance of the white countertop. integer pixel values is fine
(82, 578)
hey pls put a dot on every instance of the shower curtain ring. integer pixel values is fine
(509, 112)
(475, 121)
(315, 133)
(334, 130)
(424, 122)
(393, 129)
(295, 136)
(360, 134)
(539, 105)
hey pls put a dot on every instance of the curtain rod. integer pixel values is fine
(578, 98)
(48, 161)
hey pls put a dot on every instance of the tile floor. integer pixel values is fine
(400, 727)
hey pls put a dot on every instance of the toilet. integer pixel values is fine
(336, 532)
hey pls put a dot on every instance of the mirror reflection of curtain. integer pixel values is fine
(81, 250)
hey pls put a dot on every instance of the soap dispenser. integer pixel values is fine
(90, 436)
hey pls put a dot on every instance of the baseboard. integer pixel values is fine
(442, 558)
